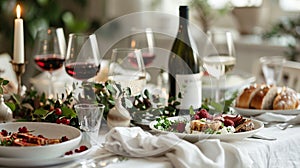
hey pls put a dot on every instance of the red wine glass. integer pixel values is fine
(143, 39)
(82, 57)
(48, 52)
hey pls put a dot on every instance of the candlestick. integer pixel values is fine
(19, 69)
(19, 38)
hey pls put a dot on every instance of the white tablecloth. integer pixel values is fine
(283, 152)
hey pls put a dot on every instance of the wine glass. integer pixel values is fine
(143, 39)
(48, 52)
(221, 58)
(272, 68)
(82, 57)
(128, 70)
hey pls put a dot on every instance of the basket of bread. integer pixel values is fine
(260, 98)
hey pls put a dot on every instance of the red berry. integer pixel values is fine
(64, 138)
(69, 153)
(23, 130)
(4, 132)
(58, 111)
(228, 122)
(58, 121)
(196, 117)
(203, 114)
(77, 151)
(83, 148)
(65, 121)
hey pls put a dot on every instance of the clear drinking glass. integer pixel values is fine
(49, 52)
(221, 59)
(128, 70)
(272, 68)
(90, 117)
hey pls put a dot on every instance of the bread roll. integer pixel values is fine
(287, 99)
(263, 99)
(244, 99)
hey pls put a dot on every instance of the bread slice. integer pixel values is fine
(287, 99)
(263, 99)
(244, 99)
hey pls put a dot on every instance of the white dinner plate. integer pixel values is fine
(27, 162)
(48, 130)
(258, 125)
(253, 112)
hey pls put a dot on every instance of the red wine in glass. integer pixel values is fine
(49, 62)
(81, 70)
(147, 58)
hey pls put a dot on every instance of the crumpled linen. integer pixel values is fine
(134, 142)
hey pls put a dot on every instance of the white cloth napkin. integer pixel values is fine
(134, 142)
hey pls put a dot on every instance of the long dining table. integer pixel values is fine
(283, 150)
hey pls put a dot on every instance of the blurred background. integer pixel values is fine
(261, 27)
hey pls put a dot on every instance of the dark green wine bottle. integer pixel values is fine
(184, 73)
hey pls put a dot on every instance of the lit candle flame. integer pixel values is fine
(133, 43)
(18, 11)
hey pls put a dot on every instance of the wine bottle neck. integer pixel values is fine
(183, 19)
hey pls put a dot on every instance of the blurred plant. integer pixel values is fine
(289, 27)
(39, 14)
(207, 14)
(3, 82)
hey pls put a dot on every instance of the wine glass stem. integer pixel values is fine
(217, 94)
(51, 88)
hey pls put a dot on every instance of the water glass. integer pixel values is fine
(89, 117)
(272, 68)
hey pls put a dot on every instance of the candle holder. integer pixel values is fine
(19, 69)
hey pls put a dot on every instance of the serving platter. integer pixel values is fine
(254, 112)
(258, 125)
(48, 130)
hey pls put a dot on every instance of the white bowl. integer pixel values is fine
(48, 130)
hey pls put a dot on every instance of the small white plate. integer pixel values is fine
(254, 112)
(258, 125)
(27, 162)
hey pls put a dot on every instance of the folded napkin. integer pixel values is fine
(134, 142)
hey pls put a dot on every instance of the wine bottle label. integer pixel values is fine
(190, 87)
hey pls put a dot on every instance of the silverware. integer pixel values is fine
(284, 126)
(256, 136)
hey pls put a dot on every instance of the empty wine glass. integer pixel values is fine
(272, 68)
(48, 52)
(83, 59)
(221, 59)
(128, 70)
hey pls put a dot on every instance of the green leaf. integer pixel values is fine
(192, 112)
(12, 106)
(40, 112)
(69, 113)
